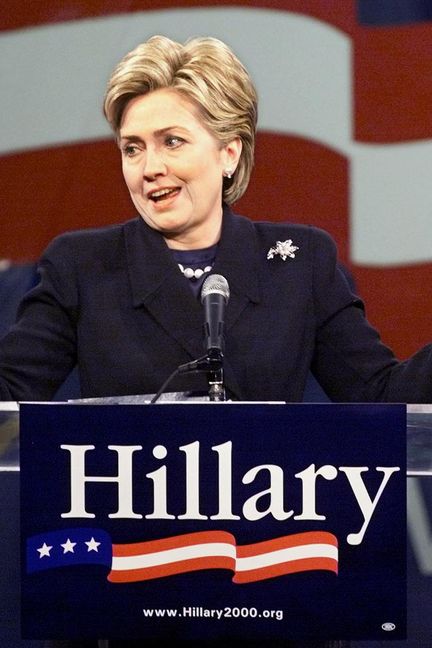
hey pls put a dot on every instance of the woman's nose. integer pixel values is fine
(154, 164)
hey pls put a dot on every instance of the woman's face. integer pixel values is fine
(174, 167)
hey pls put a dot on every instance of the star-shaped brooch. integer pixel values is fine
(284, 249)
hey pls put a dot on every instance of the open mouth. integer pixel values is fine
(163, 194)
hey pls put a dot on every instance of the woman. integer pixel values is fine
(122, 302)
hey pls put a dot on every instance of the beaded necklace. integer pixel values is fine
(195, 264)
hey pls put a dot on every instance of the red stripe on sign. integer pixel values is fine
(282, 569)
(171, 569)
(214, 550)
(293, 540)
(173, 542)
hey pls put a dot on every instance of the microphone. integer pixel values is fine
(214, 297)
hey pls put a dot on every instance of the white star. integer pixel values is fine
(68, 546)
(92, 545)
(44, 550)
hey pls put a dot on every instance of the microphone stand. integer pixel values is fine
(216, 390)
(211, 363)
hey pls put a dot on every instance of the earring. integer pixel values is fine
(228, 173)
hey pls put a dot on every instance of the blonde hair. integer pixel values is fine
(207, 72)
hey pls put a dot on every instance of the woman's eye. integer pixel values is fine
(130, 149)
(172, 141)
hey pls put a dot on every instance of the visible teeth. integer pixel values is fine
(161, 192)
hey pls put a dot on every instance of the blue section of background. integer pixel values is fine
(393, 12)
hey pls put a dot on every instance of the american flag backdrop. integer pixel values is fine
(345, 128)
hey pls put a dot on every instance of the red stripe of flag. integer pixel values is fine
(15, 15)
(284, 542)
(173, 542)
(171, 569)
(282, 569)
(299, 540)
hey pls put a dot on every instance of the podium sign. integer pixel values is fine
(216, 521)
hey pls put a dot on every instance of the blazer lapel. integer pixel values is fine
(158, 285)
(238, 261)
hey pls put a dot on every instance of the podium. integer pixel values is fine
(253, 480)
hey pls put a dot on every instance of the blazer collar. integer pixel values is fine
(152, 267)
(238, 256)
(158, 285)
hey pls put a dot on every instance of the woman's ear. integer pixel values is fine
(231, 154)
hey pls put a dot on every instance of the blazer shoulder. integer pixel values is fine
(89, 240)
(314, 238)
(95, 234)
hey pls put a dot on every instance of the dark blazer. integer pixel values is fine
(113, 301)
